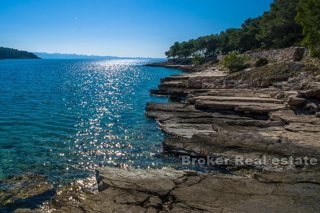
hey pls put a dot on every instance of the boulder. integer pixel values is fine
(313, 93)
(295, 101)
(312, 107)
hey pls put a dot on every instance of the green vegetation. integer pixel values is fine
(198, 60)
(203, 46)
(8, 53)
(276, 72)
(261, 62)
(286, 24)
(235, 62)
(309, 18)
(278, 27)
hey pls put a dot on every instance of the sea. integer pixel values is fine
(65, 118)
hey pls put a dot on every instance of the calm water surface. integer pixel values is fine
(63, 118)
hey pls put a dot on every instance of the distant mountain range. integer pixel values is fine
(9, 53)
(71, 56)
(76, 56)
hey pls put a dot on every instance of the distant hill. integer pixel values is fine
(9, 53)
(71, 56)
(77, 56)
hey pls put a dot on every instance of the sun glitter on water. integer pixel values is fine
(67, 117)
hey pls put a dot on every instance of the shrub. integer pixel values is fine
(235, 62)
(261, 62)
(198, 60)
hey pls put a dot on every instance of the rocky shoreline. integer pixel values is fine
(169, 190)
(245, 120)
(247, 114)
(268, 114)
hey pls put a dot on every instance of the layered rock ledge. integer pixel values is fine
(169, 190)
(271, 111)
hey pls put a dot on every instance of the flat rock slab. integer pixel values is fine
(239, 99)
(242, 106)
(290, 116)
(263, 93)
(169, 190)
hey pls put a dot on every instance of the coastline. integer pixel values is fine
(214, 113)
(222, 116)
(256, 118)
(197, 126)
(233, 117)
(215, 108)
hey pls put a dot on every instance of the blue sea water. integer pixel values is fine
(64, 118)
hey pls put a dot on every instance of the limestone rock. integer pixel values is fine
(127, 191)
(313, 93)
(296, 102)
(312, 107)
(158, 182)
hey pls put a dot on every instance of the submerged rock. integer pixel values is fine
(24, 191)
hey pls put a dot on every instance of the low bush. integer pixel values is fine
(198, 60)
(261, 62)
(235, 62)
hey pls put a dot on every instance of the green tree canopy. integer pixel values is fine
(250, 31)
(8, 53)
(309, 18)
(278, 27)
(173, 51)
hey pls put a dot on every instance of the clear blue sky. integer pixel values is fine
(143, 28)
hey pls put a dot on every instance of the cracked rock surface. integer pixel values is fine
(169, 190)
